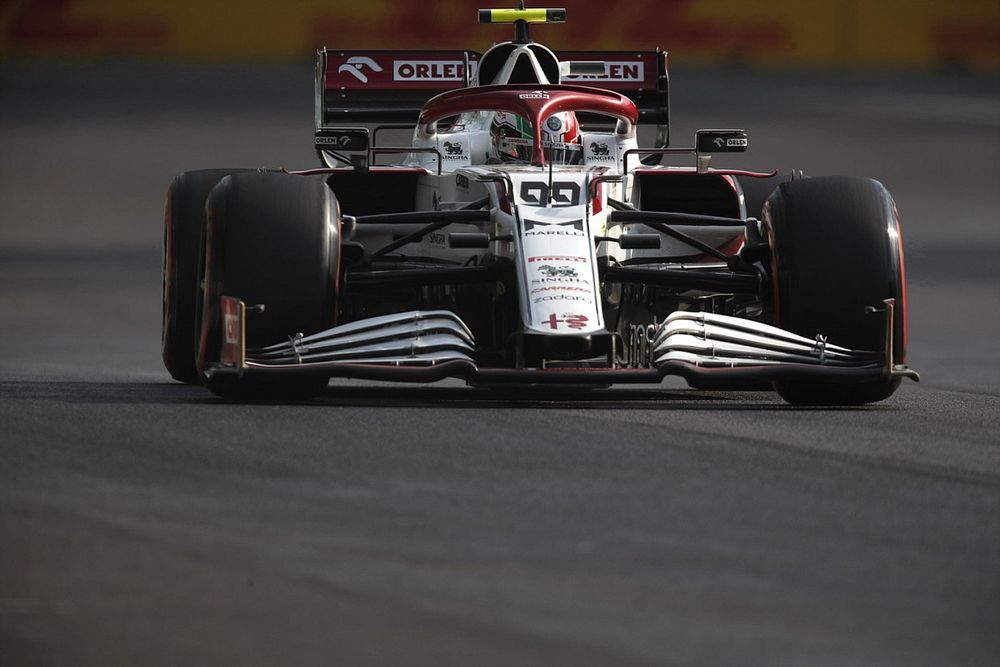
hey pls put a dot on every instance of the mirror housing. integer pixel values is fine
(342, 139)
(721, 141)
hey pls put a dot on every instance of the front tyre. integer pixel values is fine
(270, 239)
(836, 251)
(183, 219)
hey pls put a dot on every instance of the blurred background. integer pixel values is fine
(778, 33)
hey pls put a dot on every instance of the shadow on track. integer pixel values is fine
(415, 396)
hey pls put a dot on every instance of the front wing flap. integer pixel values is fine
(705, 349)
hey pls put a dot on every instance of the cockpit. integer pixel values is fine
(524, 125)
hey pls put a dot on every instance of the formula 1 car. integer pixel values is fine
(525, 238)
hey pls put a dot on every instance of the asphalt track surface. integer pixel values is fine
(146, 522)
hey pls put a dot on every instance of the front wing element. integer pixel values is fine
(716, 341)
(705, 349)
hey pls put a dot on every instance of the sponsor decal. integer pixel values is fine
(567, 321)
(562, 297)
(599, 149)
(616, 70)
(356, 65)
(534, 95)
(730, 143)
(437, 238)
(638, 344)
(559, 281)
(557, 271)
(462, 181)
(453, 150)
(568, 228)
(600, 152)
(430, 70)
(564, 193)
(553, 123)
(557, 258)
(560, 288)
(553, 232)
(516, 141)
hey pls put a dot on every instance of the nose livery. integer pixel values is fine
(556, 254)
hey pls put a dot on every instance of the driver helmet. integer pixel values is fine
(511, 138)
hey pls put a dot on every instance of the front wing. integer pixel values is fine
(707, 350)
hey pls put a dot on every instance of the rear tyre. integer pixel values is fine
(271, 239)
(185, 210)
(836, 250)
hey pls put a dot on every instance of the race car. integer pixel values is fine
(524, 237)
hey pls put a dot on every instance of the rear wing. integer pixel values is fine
(639, 75)
(374, 87)
(385, 86)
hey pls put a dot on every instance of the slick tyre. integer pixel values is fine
(837, 251)
(183, 218)
(269, 239)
